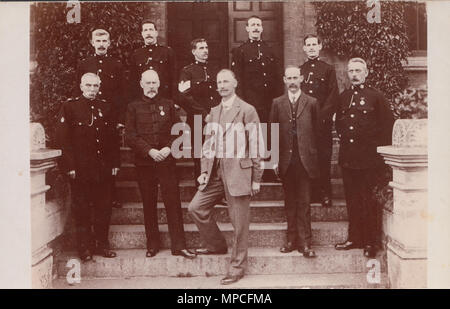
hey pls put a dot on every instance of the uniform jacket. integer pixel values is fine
(88, 139)
(202, 96)
(258, 73)
(148, 125)
(306, 123)
(110, 71)
(364, 121)
(240, 171)
(154, 57)
(320, 82)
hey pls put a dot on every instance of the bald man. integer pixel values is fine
(149, 121)
(87, 135)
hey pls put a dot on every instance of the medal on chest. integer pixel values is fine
(162, 113)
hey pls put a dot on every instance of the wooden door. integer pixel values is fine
(191, 20)
(271, 16)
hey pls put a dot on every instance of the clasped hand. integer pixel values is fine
(159, 155)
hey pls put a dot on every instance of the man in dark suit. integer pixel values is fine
(149, 123)
(88, 138)
(296, 114)
(230, 172)
(153, 56)
(110, 71)
(364, 121)
(320, 82)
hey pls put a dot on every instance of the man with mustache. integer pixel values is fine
(110, 70)
(297, 115)
(320, 82)
(198, 91)
(257, 70)
(153, 56)
(364, 121)
(149, 123)
(224, 173)
(88, 138)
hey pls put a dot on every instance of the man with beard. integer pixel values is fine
(90, 156)
(110, 71)
(257, 70)
(149, 122)
(296, 114)
(198, 92)
(153, 56)
(320, 82)
(364, 121)
(230, 172)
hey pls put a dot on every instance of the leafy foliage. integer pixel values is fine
(345, 30)
(59, 45)
(411, 104)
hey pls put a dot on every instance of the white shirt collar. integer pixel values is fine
(294, 95)
(226, 105)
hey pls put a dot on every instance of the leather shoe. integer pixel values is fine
(370, 251)
(105, 253)
(229, 279)
(86, 255)
(289, 247)
(116, 204)
(307, 252)
(151, 252)
(326, 202)
(346, 245)
(205, 251)
(185, 253)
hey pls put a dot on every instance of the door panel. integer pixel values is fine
(191, 20)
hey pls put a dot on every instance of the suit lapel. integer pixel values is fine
(301, 104)
(287, 105)
(235, 108)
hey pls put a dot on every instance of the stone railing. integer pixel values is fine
(405, 225)
(48, 219)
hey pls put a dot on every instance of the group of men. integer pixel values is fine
(247, 94)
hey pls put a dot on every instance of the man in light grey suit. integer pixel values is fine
(230, 168)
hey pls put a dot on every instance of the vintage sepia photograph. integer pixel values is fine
(229, 144)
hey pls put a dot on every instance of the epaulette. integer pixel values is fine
(103, 100)
(72, 99)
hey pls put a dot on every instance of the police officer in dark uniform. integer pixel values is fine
(110, 71)
(198, 93)
(363, 121)
(320, 82)
(90, 156)
(149, 123)
(153, 56)
(258, 70)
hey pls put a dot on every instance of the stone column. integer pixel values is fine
(43, 229)
(406, 225)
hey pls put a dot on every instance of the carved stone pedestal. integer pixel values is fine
(406, 225)
(44, 225)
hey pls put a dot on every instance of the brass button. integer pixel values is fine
(351, 140)
(352, 116)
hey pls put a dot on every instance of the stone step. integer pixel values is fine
(261, 261)
(185, 171)
(260, 211)
(128, 191)
(261, 234)
(254, 282)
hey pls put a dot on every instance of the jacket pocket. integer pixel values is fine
(246, 163)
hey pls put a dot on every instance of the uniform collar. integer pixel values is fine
(101, 56)
(313, 60)
(151, 45)
(150, 100)
(360, 86)
(255, 41)
(201, 63)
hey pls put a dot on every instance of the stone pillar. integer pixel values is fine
(43, 229)
(406, 225)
